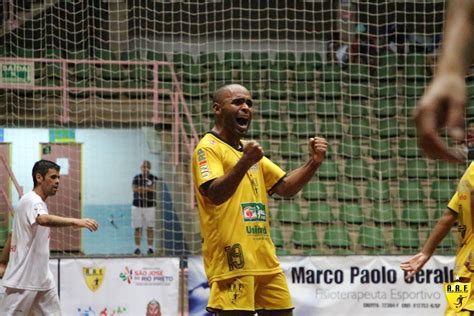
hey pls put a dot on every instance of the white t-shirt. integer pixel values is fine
(28, 267)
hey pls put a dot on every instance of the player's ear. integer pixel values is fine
(216, 107)
(39, 178)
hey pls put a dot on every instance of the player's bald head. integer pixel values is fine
(226, 91)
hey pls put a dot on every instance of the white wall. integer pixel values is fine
(110, 160)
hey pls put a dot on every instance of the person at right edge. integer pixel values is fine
(444, 101)
(455, 213)
(232, 179)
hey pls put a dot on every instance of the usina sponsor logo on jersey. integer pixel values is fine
(254, 212)
(145, 276)
(202, 162)
(93, 276)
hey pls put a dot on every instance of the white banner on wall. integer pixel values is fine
(355, 285)
(127, 286)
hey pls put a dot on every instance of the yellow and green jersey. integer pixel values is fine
(235, 234)
(460, 203)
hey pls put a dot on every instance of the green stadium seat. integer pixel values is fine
(193, 73)
(113, 72)
(289, 212)
(298, 109)
(315, 191)
(286, 60)
(255, 130)
(387, 127)
(386, 90)
(388, 59)
(141, 72)
(350, 148)
(378, 190)
(416, 168)
(360, 127)
(276, 90)
(194, 90)
(351, 213)
(292, 164)
(26, 52)
(326, 108)
(304, 236)
(385, 108)
(266, 146)
(304, 72)
(329, 169)
(108, 84)
(415, 67)
(81, 54)
(159, 56)
(335, 236)
(442, 190)
(259, 60)
(330, 89)
(221, 72)
(415, 214)
(79, 94)
(380, 148)
(249, 73)
(182, 59)
(278, 74)
(277, 236)
(303, 129)
(320, 213)
(387, 72)
(344, 191)
(446, 170)
(331, 128)
(234, 60)
(200, 127)
(410, 129)
(406, 237)
(303, 90)
(54, 53)
(313, 252)
(138, 84)
(439, 210)
(356, 169)
(352, 109)
(371, 237)
(411, 191)
(283, 252)
(276, 128)
(331, 72)
(104, 54)
(385, 169)
(408, 106)
(408, 148)
(358, 72)
(208, 60)
(383, 213)
(358, 90)
(311, 58)
(290, 149)
(412, 90)
(53, 70)
(270, 108)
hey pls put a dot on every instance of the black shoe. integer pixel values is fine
(137, 252)
(150, 251)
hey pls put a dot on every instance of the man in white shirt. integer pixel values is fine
(29, 283)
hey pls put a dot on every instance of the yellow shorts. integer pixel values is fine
(250, 293)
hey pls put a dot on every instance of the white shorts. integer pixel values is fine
(27, 302)
(143, 216)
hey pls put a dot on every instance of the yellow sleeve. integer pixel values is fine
(207, 165)
(271, 173)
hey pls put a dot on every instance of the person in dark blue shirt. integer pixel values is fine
(144, 206)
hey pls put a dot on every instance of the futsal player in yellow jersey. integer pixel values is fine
(463, 266)
(232, 180)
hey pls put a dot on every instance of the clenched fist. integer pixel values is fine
(317, 149)
(253, 152)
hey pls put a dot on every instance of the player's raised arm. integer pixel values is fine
(296, 179)
(444, 101)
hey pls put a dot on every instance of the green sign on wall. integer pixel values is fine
(17, 73)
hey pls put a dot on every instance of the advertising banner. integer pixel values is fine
(355, 285)
(126, 286)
